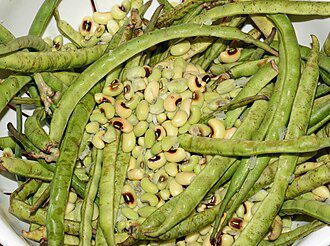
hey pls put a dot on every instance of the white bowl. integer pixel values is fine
(17, 16)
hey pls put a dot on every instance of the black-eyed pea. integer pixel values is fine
(146, 211)
(98, 30)
(226, 86)
(175, 188)
(227, 240)
(171, 169)
(148, 186)
(195, 114)
(102, 98)
(205, 230)
(161, 118)
(185, 178)
(322, 192)
(185, 128)
(206, 241)
(137, 151)
(122, 110)
(112, 27)
(95, 212)
(108, 109)
(133, 120)
(151, 92)
(200, 130)
(165, 194)
(178, 85)
(172, 101)
(160, 132)
(187, 94)
(230, 132)
(86, 26)
(129, 195)
(240, 211)
(97, 140)
(102, 18)
(92, 127)
(114, 88)
(195, 83)
(149, 198)
(180, 62)
(149, 138)
(139, 84)
(128, 90)
(135, 174)
(132, 163)
(160, 203)
(167, 73)
(135, 72)
(157, 107)
(192, 238)
(180, 48)
(231, 55)
(197, 98)
(236, 223)
(129, 142)
(181, 243)
(217, 127)
(175, 155)
(129, 213)
(72, 197)
(161, 179)
(248, 211)
(170, 115)
(180, 118)
(118, 12)
(156, 148)
(110, 135)
(75, 214)
(122, 124)
(121, 226)
(170, 129)
(156, 161)
(189, 165)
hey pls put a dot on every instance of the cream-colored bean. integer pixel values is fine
(98, 117)
(114, 88)
(231, 55)
(185, 178)
(106, 37)
(226, 86)
(112, 27)
(148, 186)
(185, 128)
(129, 195)
(195, 83)
(69, 207)
(122, 124)
(322, 192)
(175, 155)
(95, 212)
(151, 92)
(156, 148)
(234, 92)
(186, 105)
(248, 214)
(190, 164)
(177, 85)
(122, 110)
(180, 118)
(108, 109)
(149, 198)
(259, 196)
(97, 140)
(171, 168)
(161, 118)
(118, 12)
(175, 188)
(205, 230)
(192, 237)
(218, 128)
(207, 242)
(92, 127)
(110, 135)
(129, 213)
(165, 194)
(101, 98)
(156, 161)
(230, 132)
(180, 48)
(72, 197)
(197, 98)
(170, 129)
(132, 163)
(227, 240)
(172, 101)
(146, 211)
(129, 142)
(137, 151)
(135, 174)
(102, 17)
(200, 130)
(139, 84)
(141, 141)
(157, 107)
(86, 26)
(168, 142)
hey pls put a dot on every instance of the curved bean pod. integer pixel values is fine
(7, 142)
(31, 62)
(16, 44)
(109, 61)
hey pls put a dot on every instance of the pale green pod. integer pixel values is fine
(200, 130)
(161, 118)
(190, 164)
(149, 186)
(108, 109)
(157, 107)
(218, 128)
(195, 114)
(170, 129)
(92, 127)
(151, 92)
(102, 18)
(98, 117)
(122, 110)
(185, 128)
(165, 194)
(156, 148)
(112, 27)
(156, 161)
(197, 98)
(129, 142)
(226, 86)
(113, 88)
(172, 101)
(146, 211)
(139, 84)
(177, 85)
(180, 118)
(129, 213)
(175, 188)
(149, 198)
(129, 196)
(168, 142)
(171, 168)
(149, 138)
(180, 48)
(155, 75)
(118, 12)
(142, 110)
(134, 101)
(97, 140)
(140, 128)
(110, 135)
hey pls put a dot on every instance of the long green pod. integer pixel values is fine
(264, 76)
(288, 238)
(321, 108)
(265, 7)
(42, 17)
(65, 167)
(299, 118)
(16, 44)
(26, 189)
(106, 190)
(111, 60)
(317, 210)
(88, 204)
(56, 84)
(10, 86)
(7, 142)
(25, 168)
(31, 62)
(5, 34)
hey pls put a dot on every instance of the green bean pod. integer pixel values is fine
(7, 142)
(5, 35)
